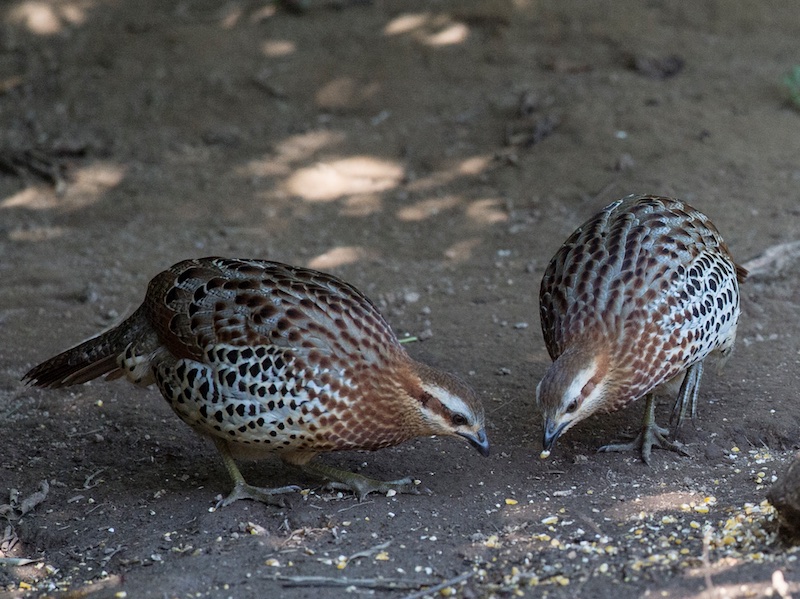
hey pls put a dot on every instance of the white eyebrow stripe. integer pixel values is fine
(453, 402)
(579, 382)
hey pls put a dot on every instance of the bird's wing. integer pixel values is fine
(199, 304)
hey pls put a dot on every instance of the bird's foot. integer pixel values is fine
(651, 436)
(362, 486)
(264, 495)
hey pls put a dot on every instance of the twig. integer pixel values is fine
(16, 561)
(85, 434)
(88, 482)
(369, 552)
(97, 506)
(369, 583)
(447, 583)
(107, 558)
(355, 505)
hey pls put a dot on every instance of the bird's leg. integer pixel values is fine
(358, 484)
(241, 490)
(687, 396)
(650, 436)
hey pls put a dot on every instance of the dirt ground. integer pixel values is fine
(435, 154)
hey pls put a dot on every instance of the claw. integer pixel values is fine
(650, 436)
(264, 495)
(241, 490)
(361, 486)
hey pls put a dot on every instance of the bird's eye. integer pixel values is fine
(459, 420)
(572, 407)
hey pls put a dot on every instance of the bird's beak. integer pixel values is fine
(478, 440)
(551, 432)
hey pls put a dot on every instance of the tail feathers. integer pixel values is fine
(741, 273)
(69, 369)
(88, 360)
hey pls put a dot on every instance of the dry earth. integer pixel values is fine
(435, 154)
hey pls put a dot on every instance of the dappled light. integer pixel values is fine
(652, 505)
(777, 586)
(363, 204)
(338, 256)
(456, 33)
(290, 151)
(30, 234)
(327, 181)
(231, 17)
(428, 29)
(468, 167)
(488, 211)
(344, 92)
(435, 156)
(263, 13)
(461, 251)
(359, 182)
(474, 165)
(86, 186)
(303, 146)
(232, 14)
(427, 208)
(277, 48)
(32, 198)
(406, 23)
(48, 18)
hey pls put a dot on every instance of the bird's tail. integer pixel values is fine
(741, 273)
(88, 360)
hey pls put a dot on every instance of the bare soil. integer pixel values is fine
(435, 154)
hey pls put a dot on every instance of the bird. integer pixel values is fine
(265, 358)
(631, 305)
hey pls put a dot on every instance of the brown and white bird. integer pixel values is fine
(270, 359)
(638, 296)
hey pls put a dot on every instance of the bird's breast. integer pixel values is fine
(276, 400)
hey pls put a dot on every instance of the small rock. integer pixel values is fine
(424, 335)
(662, 67)
(714, 452)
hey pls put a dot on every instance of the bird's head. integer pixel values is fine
(575, 386)
(448, 406)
